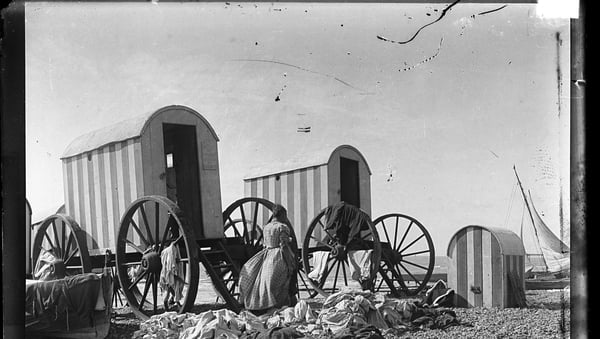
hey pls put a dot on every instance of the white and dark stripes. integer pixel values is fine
(99, 186)
(302, 192)
(478, 270)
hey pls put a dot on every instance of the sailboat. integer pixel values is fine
(547, 262)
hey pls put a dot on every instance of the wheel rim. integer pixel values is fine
(336, 254)
(62, 236)
(408, 255)
(148, 227)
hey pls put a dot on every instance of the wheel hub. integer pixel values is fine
(339, 252)
(151, 262)
(398, 256)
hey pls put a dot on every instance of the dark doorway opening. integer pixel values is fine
(349, 181)
(182, 174)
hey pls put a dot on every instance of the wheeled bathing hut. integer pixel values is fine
(311, 183)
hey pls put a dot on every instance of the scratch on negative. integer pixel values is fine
(303, 69)
(493, 10)
(425, 60)
(422, 27)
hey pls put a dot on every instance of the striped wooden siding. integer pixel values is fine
(99, 186)
(302, 192)
(476, 261)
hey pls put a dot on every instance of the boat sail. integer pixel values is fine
(545, 253)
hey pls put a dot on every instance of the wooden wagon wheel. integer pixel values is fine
(243, 223)
(408, 256)
(61, 236)
(150, 225)
(330, 252)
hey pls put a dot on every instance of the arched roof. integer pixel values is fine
(121, 131)
(302, 159)
(509, 242)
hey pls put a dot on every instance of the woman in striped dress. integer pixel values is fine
(268, 279)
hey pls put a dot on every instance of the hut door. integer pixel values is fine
(349, 181)
(182, 175)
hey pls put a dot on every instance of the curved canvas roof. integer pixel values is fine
(303, 159)
(510, 243)
(121, 131)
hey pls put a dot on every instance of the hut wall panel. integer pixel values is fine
(87, 194)
(486, 266)
(302, 192)
(452, 271)
(470, 267)
(99, 186)
(497, 276)
(97, 233)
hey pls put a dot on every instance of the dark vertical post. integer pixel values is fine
(579, 274)
(13, 170)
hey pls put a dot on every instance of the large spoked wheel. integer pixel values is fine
(408, 256)
(332, 263)
(243, 221)
(243, 224)
(61, 236)
(150, 225)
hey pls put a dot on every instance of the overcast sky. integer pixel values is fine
(441, 119)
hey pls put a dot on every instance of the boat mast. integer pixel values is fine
(530, 215)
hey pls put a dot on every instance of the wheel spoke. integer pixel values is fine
(380, 283)
(387, 236)
(167, 229)
(71, 255)
(63, 229)
(132, 263)
(130, 243)
(414, 241)
(233, 225)
(415, 253)
(49, 241)
(68, 247)
(138, 278)
(243, 214)
(139, 232)
(146, 288)
(325, 229)
(255, 218)
(407, 271)
(154, 290)
(146, 223)
(396, 233)
(337, 270)
(367, 235)
(156, 219)
(404, 236)
(416, 265)
(56, 239)
(344, 271)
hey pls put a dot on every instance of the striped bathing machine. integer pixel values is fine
(141, 194)
(105, 170)
(486, 267)
(311, 181)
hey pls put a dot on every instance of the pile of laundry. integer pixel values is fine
(346, 314)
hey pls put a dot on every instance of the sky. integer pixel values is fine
(441, 119)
